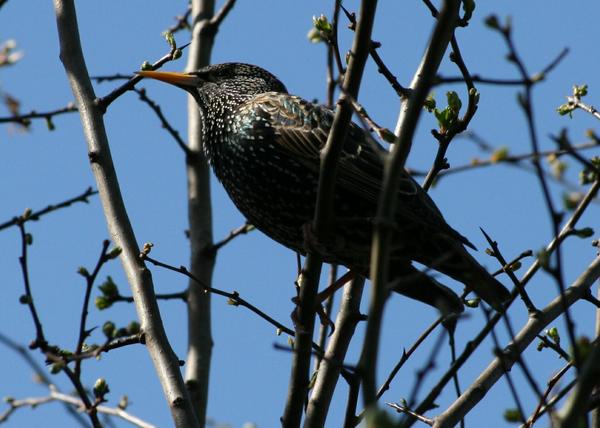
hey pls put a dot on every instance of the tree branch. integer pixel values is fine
(394, 165)
(165, 361)
(73, 402)
(331, 364)
(309, 280)
(205, 24)
(475, 393)
(35, 215)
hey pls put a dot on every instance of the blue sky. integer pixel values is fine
(249, 376)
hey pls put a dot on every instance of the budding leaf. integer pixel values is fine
(133, 327)
(114, 253)
(170, 39)
(102, 303)
(108, 328)
(580, 90)
(499, 154)
(108, 288)
(513, 415)
(586, 232)
(492, 22)
(554, 335)
(473, 303)
(468, 8)
(50, 123)
(100, 388)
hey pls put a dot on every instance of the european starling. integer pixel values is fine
(263, 145)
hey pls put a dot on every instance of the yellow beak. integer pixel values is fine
(178, 79)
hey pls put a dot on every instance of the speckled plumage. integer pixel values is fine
(264, 145)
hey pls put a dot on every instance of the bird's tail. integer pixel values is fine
(461, 266)
(413, 283)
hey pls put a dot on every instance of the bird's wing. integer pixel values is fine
(301, 129)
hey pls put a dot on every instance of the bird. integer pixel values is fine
(264, 146)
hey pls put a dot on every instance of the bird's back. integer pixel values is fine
(269, 165)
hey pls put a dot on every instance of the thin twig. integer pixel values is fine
(406, 355)
(242, 230)
(541, 408)
(35, 215)
(446, 136)
(27, 298)
(40, 373)
(495, 252)
(90, 279)
(181, 21)
(163, 120)
(537, 77)
(523, 339)
(505, 368)
(547, 343)
(403, 409)
(24, 119)
(514, 160)
(104, 102)
(234, 297)
(526, 103)
(111, 77)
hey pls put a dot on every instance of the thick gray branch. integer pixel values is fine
(324, 214)
(202, 261)
(140, 279)
(394, 165)
(331, 364)
(478, 389)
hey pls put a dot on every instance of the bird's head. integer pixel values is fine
(229, 78)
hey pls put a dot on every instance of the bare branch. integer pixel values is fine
(205, 24)
(331, 364)
(576, 408)
(403, 409)
(528, 333)
(526, 103)
(309, 280)
(181, 21)
(163, 357)
(242, 230)
(35, 215)
(25, 119)
(394, 165)
(163, 120)
(234, 297)
(55, 395)
(40, 373)
(541, 408)
(89, 278)
(104, 102)
(428, 401)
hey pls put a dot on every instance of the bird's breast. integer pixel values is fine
(275, 193)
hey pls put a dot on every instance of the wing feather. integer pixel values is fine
(302, 128)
